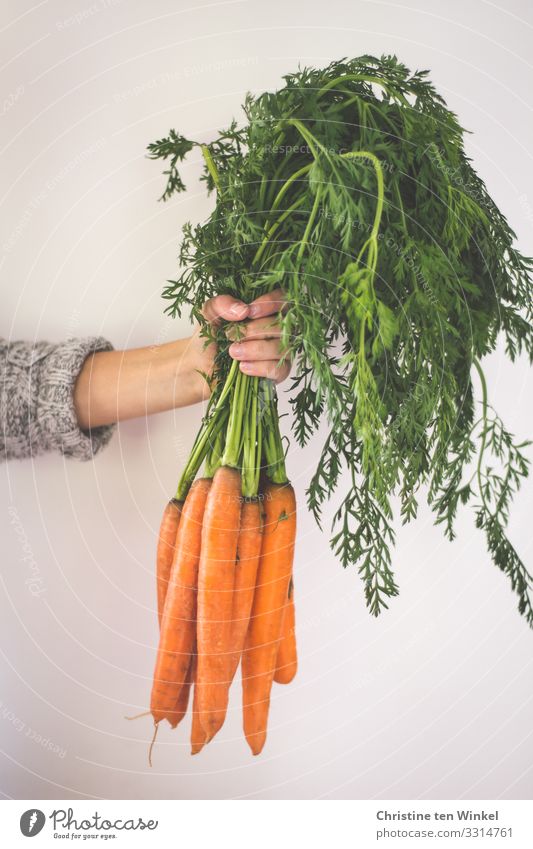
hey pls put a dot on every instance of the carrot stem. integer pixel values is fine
(201, 445)
(234, 436)
(272, 444)
(252, 447)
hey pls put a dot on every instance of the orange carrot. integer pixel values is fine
(198, 735)
(176, 641)
(248, 554)
(216, 579)
(180, 708)
(264, 632)
(165, 550)
(287, 660)
(168, 532)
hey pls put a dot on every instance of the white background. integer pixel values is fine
(433, 699)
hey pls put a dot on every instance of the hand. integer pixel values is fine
(117, 385)
(258, 348)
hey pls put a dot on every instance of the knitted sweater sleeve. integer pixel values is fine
(36, 399)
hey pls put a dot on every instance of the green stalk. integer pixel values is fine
(352, 78)
(214, 458)
(288, 183)
(211, 167)
(310, 222)
(301, 171)
(262, 191)
(272, 444)
(306, 134)
(274, 227)
(201, 445)
(484, 407)
(366, 154)
(251, 467)
(233, 448)
(258, 440)
(405, 230)
(274, 180)
(367, 79)
(354, 154)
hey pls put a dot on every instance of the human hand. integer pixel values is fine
(117, 385)
(258, 348)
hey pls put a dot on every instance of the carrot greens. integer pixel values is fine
(350, 188)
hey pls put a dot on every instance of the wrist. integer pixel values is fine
(182, 364)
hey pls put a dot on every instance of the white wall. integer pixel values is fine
(433, 700)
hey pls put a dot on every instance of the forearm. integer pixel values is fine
(117, 385)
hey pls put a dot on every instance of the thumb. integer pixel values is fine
(226, 307)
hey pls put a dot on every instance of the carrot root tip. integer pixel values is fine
(256, 742)
(138, 715)
(156, 729)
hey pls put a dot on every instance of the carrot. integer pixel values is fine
(287, 660)
(264, 632)
(165, 550)
(216, 578)
(248, 554)
(198, 735)
(168, 532)
(180, 708)
(176, 641)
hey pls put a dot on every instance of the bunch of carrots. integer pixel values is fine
(304, 200)
(224, 572)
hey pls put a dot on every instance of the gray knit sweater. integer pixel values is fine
(36, 399)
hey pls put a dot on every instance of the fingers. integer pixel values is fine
(261, 357)
(231, 309)
(264, 327)
(267, 304)
(260, 328)
(257, 347)
(266, 368)
(224, 306)
(260, 349)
